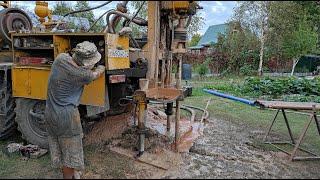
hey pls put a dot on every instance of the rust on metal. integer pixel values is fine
(163, 94)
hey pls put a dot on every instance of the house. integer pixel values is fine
(209, 37)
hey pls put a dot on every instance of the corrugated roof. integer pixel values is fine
(211, 35)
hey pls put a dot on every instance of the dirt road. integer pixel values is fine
(226, 151)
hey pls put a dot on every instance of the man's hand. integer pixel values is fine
(99, 71)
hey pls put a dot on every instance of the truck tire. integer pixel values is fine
(31, 127)
(7, 123)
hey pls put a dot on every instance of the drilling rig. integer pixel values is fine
(135, 67)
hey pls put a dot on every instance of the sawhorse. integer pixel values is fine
(293, 157)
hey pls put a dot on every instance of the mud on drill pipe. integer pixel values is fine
(140, 98)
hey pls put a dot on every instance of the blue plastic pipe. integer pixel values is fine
(216, 93)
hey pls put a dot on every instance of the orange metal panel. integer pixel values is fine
(32, 82)
(61, 44)
(118, 52)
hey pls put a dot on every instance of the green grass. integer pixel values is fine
(252, 117)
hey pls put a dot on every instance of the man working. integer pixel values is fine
(66, 82)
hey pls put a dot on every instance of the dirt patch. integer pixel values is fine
(107, 128)
(225, 151)
(154, 142)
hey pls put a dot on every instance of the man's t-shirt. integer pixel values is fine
(65, 87)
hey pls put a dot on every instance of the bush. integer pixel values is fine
(202, 69)
(247, 70)
(282, 86)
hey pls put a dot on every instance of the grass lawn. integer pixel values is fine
(250, 116)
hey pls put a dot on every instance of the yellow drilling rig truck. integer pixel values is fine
(27, 52)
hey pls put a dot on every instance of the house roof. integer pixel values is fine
(211, 35)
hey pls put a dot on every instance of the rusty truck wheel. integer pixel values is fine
(30, 120)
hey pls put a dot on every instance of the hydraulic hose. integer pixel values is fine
(111, 29)
(95, 22)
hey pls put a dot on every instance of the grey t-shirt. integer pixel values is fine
(65, 87)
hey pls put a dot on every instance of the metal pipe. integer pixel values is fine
(169, 112)
(198, 108)
(216, 93)
(178, 86)
(141, 125)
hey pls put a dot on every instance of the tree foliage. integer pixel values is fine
(61, 8)
(194, 40)
(81, 5)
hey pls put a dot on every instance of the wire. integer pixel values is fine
(89, 9)
(95, 22)
(73, 12)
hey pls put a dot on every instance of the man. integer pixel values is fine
(66, 82)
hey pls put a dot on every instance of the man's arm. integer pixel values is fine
(98, 72)
(91, 75)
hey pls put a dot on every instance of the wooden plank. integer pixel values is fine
(289, 105)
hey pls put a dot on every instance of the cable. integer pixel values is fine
(89, 9)
(135, 14)
(73, 12)
(95, 22)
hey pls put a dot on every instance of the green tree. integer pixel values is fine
(61, 8)
(240, 45)
(254, 16)
(196, 24)
(312, 10)
(280, 25)
(194, 40)
(300, 42)
(81, 5)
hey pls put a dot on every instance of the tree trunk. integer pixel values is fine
(294, 64)
(261, 50)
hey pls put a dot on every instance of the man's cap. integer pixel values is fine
(86, 53)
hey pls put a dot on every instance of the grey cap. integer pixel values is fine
(86, 53)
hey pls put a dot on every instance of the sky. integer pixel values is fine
(214, 12)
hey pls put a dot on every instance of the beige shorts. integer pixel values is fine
(67, 151)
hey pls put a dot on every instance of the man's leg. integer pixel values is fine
(72, 155)
(68, 173)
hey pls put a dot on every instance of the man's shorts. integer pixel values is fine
(67, 151)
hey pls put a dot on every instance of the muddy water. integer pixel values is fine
(225, 151)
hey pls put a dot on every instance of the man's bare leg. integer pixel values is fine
(68, 173)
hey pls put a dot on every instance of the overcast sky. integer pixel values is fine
(214, 12)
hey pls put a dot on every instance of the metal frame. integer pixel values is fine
(293, 156)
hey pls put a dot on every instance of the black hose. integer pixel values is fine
(110, 28)
(135, 14)
(95, 22)
(188, 22)
(89, 9)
